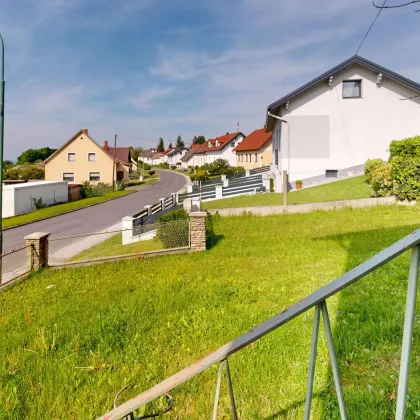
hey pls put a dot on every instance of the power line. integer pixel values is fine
(371, 26)
(396, 5)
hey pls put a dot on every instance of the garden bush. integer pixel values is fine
(405, 161)
(151, 173)
(173, 167)
(91, 190)
(199, 176)
(370, 166)
(381, 180)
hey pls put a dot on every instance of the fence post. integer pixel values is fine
(198, 230)
(189, 188)
(266, 182)
(285, 182)
(149, 209)
(225, 182)
(37, 251)
(175, 198)
(127, 229)
(219, 191)
(247, 172)
(223, 177)
(162, 203)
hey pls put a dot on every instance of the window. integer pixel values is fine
(71, 157)
(352, 89)
(246, 157)
(256, 157)
(94, 176)
(91, 157)
(331, 173)
(68, 176)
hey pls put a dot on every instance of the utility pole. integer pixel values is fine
(113, 166)
(2, 88)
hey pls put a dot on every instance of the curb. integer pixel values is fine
(66, 212)
(174, 172)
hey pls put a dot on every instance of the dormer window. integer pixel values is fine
(209, 143)
(217, 142)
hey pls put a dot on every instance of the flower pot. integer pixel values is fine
(298, 186)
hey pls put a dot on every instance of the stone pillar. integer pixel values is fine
(198, 230)
(225, 183)
(223, 178)
(189, 188)
(285, 183)
(219, 191)
(127, 229)
(247, 172)
(37, 251)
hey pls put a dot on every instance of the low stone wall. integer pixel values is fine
(306, 208)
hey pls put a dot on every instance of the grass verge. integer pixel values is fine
(147, 180)
(61, 208)
(348, 189)
(70, 339)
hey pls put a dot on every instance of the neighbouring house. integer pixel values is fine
(174, 156)
(81, 159)
(255, 150)
(151, 157)
(338, 120)
(219, 148)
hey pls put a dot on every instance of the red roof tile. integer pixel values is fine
(254, 141)
(121, 153)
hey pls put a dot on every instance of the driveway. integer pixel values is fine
(99, 217)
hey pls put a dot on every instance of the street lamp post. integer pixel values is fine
(2, 87)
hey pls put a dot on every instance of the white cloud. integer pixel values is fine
(147, 97)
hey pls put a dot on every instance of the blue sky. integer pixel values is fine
(159, 68)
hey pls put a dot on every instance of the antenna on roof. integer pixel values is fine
(237, 127)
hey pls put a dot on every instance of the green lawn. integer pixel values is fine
(70, 339)
(60, 208)
(147, 180)
(113, 247)
(347, 189)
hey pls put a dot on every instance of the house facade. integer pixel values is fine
(337, 121)
(174, 156)
(255, 150)
(81, 159)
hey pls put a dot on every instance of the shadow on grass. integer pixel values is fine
(211, 238)
(368, 331)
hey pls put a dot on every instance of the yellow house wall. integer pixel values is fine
(82, 145)
(264, 156)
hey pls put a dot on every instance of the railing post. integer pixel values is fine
(312, 362)
(127, 229)
(219, 191)
(333, 358)
(224, 363)
(175, 198)
(149, 209)
(410, 308)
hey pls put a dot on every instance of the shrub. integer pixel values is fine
(381, 180)
(271, 185)
(405, 161)
(23, 172)
(370, 166)
(199, 176)
(173, 230)
(90, 190)
(151, 173)
(179, 214)
(178, 164)
(173, 167)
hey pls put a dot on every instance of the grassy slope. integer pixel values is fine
(60, 208)
(340, 190)
(66, 350)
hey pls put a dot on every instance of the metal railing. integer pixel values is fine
(260, 170)
(316, 300)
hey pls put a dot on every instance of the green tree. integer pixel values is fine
(23, 172)
(170, 146)
(135, 152)
(161, 146)
(33, 155)
(179, 142)
(7, 163)
(199, 140)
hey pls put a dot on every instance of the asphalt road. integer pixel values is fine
(99, 217)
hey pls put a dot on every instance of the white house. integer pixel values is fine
(175, 155)
(337, 121)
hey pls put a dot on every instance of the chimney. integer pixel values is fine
(106, 147)
(86, 131)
